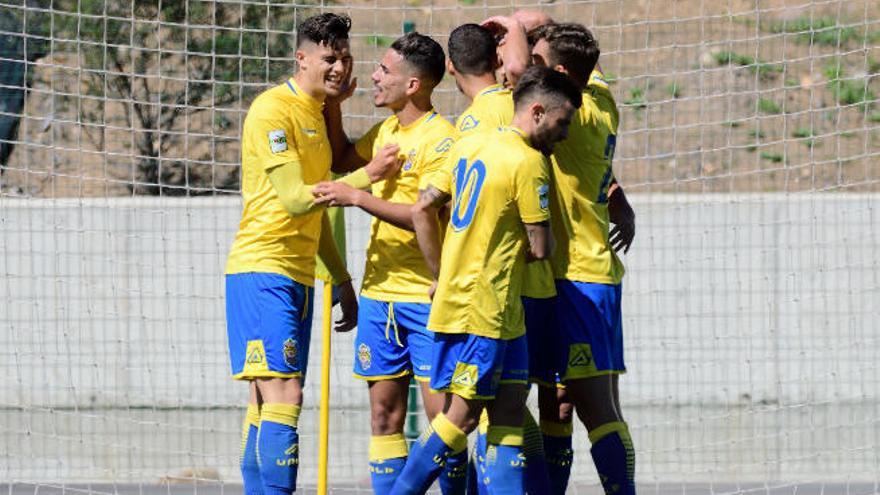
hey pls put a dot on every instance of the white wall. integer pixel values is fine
(747, 319)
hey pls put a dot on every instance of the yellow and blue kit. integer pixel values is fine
(270, 270)
(490, 109)
(587, 270)
(497, 182)
(391, 339)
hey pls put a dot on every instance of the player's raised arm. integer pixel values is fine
(513, 46)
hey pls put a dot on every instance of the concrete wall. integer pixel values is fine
(751, 328)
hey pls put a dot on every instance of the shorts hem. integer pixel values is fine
(379, 378)
(421, 378)
(515, 381)
(581, 376)
(542, 383)
(265, 374)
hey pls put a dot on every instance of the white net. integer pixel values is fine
(749, 145)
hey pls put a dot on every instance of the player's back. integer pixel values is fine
(282, 125)
(491, 108)
(497, 183)
(396, 269)
(582, 175)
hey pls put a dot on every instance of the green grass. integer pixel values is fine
(733, 123)
(820, 31)
(848, 91)
(874, 118)
(674, 90)
(773, 157)
(756, 134)
(751, 148)
(802, 132)
(636, 98)
(610, 77)
(769, 106)
(753, 64)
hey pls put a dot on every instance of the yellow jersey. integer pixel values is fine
(491, 108)
(582, 175)
(497, 183)
(283, 124)
(396, 270)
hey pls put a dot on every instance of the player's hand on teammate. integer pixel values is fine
(385, 163)
(500, 25)
(623, 217)
(349, 305)
(432, 289)
(336, 194)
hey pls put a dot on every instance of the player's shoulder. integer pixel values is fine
(437, 124)
(269, 99)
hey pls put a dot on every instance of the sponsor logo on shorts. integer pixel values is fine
(580, 356)
(255, 357)
(465, 375)
(290, 352)
(365, 356)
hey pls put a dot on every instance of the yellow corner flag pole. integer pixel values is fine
(324, 428)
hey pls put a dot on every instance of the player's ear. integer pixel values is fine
(537, 111)
(560, 68)
(300, 56)
(450, 69)
(413, 86)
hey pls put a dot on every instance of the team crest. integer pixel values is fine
(544, 196)
(365, 356)
(290, 352)
(468, 123)
(410, 158)
(444, 145)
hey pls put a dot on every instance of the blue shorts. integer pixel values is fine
(540, 316)
(269, 325)
(590, 330)
(468, 365)
(392, 340)
(515, 367)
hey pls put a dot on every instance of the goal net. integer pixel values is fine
(749, 146)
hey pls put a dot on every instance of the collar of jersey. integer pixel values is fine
(516, 130)
(490, 89)
(430, 114)
(305, 97)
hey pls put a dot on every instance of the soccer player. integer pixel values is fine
(392, 342)
(271, 266)
(498, 185)
(472, 62)
(588, 272)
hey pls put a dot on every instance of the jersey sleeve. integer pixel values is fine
(364, 145)
(532, 189)
(269, 137)
(441, 178)
(435, 155)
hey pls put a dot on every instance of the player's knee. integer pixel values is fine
(281, 390)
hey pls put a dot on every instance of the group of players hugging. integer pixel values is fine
(490, 264)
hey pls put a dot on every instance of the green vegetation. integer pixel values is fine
(772, 156)
(202, 54)
(379, 41)
(874, 118)
(848, 91)
(769, 106)
(806, 134)
(733, 123)
(763, 69)
(821, 31)
(674, 90)
(636, 98)
(757, 134)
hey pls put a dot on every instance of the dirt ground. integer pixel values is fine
(715, 96)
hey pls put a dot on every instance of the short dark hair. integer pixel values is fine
(572, 46)
(423, 54)
(324, 29)
(543, 82)
(472, 49)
